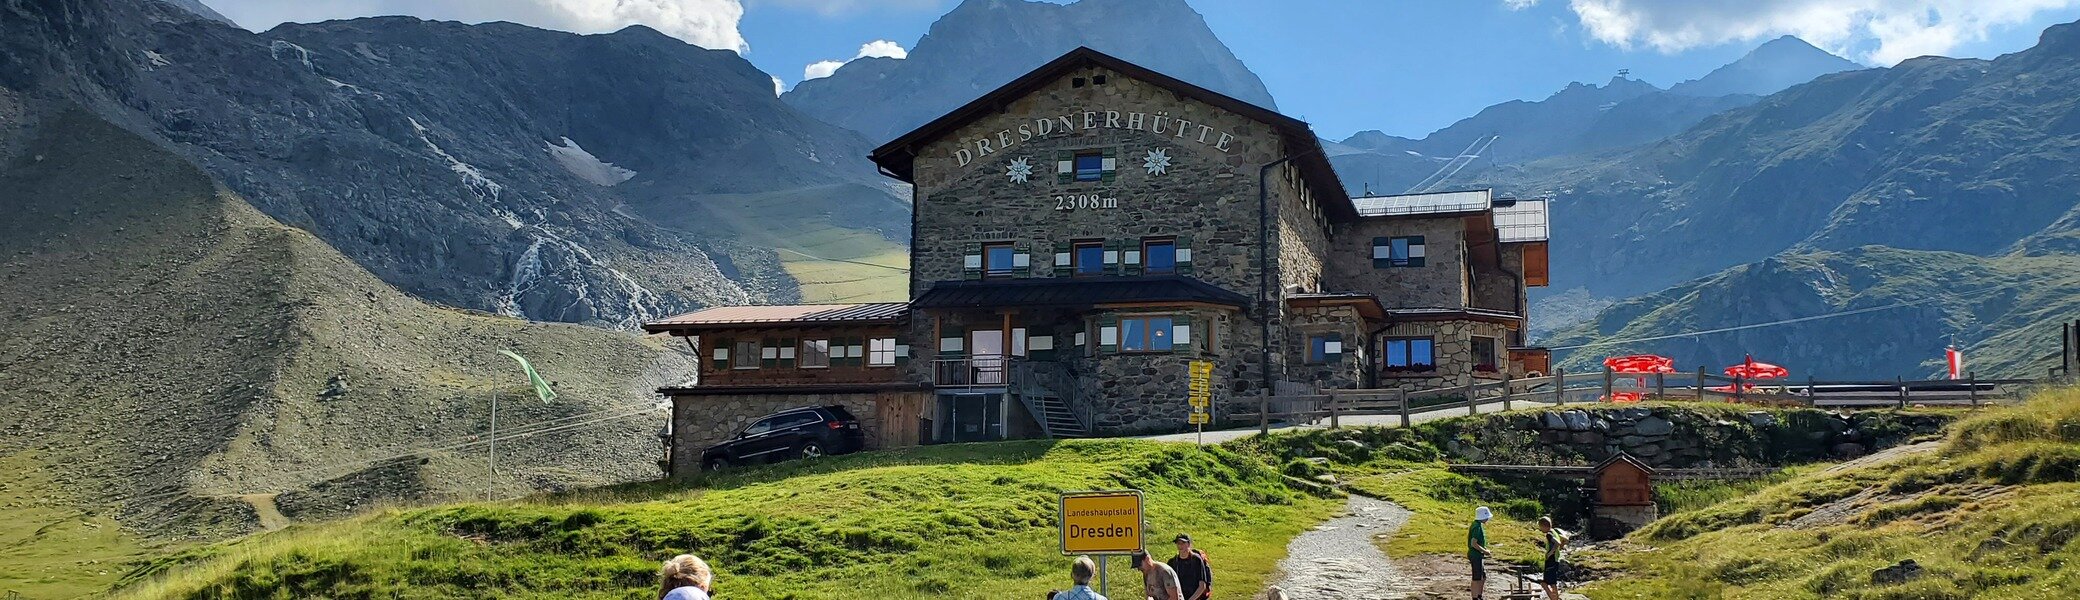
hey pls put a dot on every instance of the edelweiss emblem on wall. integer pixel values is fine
(1019, 171)
(1157, 162)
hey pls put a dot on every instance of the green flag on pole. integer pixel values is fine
(541, 386)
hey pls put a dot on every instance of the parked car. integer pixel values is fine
(807, 432)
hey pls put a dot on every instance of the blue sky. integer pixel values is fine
(1406, 67)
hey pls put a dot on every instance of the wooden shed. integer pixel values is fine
(1623, 481)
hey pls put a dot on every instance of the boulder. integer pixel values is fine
(1635, 413)
(1762, 419)
(1907, 570)
(1553, 420)
(1647, 450)
(1599, 424)
(1631, 440)
(1576, 420)
(1586, 437)
(1655, 426)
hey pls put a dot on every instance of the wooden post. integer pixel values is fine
(1700, 383)
(1609, 381)
(1739, 389)
(1335, 420)
(1812, 391)
(1402, 394)
(1559, 386)
(1505, 389)
(1660, 385)
(1902, 390)
(1472, 408)
(1971, 382)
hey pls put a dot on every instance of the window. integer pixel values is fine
(1484, 353)
(747, 355)
(764, 425)
(1089, 258)
(1090, 166)
(996, 260)
(1159, 256)
(1324, 348)
(1397, 252)
(881, 352)
(1145, 334)
(816, 354)
(1410, 354)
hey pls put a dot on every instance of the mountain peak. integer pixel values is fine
(1769, 68)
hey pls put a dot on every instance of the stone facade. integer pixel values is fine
(1452, 341)
(1613, 522)
(1344, 371)
(1440, 283)
(1499, 285)
(699, 422)
(1205, 197)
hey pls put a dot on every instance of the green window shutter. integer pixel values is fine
(1111, 163)
(726, 346)
(763, 346)
(1184, 255)
(1041, 331)
(952, 331)
(971, 262)
(902, 353)
(1108, 323)
(1414, 243)
(787, 352)
(858, 356)
(1337, 356)
(1131, 258)
(1065, 167)
(1182, 337)
(1382, 252)
(1113, 257)
(1022, 260)
(1063, 259)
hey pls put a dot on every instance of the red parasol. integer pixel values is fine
(1750, 369)
(1640, 364)
(1623, 397)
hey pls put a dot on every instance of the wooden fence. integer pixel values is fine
(1295, 405)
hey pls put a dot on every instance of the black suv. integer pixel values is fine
(807, 432)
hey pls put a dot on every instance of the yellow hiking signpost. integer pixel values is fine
(1199, 392)
(1102, 524)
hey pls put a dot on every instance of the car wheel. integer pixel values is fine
(717, 464)
(812, 450)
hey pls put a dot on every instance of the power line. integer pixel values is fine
(1805, 318)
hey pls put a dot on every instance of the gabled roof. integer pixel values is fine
(1622, 457)
(896, 157)
(786, 314)
(1091, 291)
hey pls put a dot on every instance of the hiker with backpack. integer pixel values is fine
(1194, 575)
(1554, 541)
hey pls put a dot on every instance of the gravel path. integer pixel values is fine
(1338, 560)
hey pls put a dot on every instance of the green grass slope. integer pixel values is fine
(169, 349)
(1994, 512)
(956, 521)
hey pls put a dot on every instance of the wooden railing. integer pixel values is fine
(1312, 406)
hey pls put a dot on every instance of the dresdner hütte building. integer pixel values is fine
(1083, 232)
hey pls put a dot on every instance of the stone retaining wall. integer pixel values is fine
(1679, 436)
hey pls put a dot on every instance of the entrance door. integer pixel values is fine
(986, 353)
(971, 417)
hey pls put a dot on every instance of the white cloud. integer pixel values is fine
(1519, 4)
(1881, 32)
(704, 23)
(874, 49)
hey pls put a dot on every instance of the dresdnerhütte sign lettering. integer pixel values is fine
(1159, 123)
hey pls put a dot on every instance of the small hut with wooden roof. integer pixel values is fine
(1624, 497)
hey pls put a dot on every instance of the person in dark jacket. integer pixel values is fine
(1194, 576)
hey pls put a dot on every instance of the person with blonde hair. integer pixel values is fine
(686, 577)
(1080, 573)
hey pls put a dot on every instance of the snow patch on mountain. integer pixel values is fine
(586, 166)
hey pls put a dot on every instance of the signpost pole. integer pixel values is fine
(1103, 561)
(491, 461)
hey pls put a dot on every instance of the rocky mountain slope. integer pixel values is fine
(492, 166)
(1581, 118)
(1898, 309)
(184, 363)
(983, 44)
(1770, 68)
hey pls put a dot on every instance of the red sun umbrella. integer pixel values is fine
(1640, 364)
(1750, 369)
